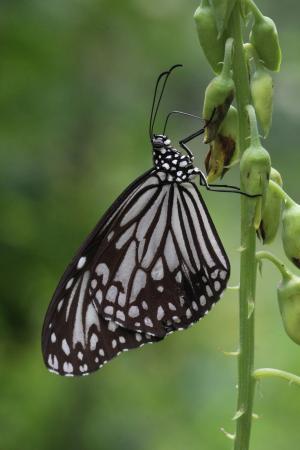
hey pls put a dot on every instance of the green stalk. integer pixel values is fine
(246, 381)
(267, 373)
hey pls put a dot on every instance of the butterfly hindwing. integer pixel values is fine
(160, 273)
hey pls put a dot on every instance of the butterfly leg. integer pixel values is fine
(203, 180)
(224, 187)
(184, 141)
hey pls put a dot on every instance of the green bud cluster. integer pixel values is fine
(271, 214)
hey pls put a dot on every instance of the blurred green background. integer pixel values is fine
(76, 84)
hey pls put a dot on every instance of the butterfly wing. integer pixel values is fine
(166, 265)
(76, 340)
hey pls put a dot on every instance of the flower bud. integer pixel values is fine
(224, 148)
(255, 170)
(270, 220)
(218, 97)
(262, 96)
(291, 231)
(264, 38)
(212, 45)
(288, 294)
(255, 163)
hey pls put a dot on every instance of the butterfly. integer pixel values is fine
(154, 264)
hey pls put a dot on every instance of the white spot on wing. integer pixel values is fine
(112, 294)
(195, 306)
(188, 313)
(148, 322)
(60, 305)
(120, 315)
(122, 299)
(99, 296)
(112, 326)
(171, 306)
(209, 291)
(138, 337)
(81, 262)
(110, 235)
(178, 277)
(133, 311)
(93, 341)
(68, 367)
(160, 313)
(202, 300)
(109, 310)
(217, 285)
(69, 283)
(65, 347)
(223, 274)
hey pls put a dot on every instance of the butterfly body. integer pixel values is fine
(166, 158)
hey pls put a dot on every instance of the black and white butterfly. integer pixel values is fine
(153, 264)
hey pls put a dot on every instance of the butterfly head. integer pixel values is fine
(160, 141)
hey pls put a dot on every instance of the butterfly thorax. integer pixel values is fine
(166, 158)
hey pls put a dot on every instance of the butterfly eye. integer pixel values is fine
(158, 142)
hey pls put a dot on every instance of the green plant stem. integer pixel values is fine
(255, 10)
(267, 373)
(280, 266)
(254, 136)
(246, 381)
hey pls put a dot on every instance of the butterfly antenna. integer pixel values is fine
(182, 113)
(155, 105)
